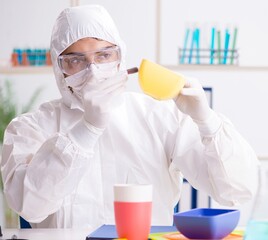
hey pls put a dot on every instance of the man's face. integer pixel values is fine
(81, 54)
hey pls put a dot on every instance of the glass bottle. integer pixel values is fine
(257, 227)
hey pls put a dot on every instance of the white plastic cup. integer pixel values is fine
(133, 210)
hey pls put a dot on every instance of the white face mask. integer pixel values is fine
(105, 70)
(77, 82)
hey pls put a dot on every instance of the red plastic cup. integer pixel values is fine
(133, 211)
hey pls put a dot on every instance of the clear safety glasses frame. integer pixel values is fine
(75, 62)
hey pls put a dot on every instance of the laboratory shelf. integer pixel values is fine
(200, 67)
(181, 67)
(26, 70)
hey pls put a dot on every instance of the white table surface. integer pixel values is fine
(46, 234)
(52, 234)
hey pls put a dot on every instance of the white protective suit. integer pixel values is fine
(53, 182)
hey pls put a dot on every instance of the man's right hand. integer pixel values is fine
(97, 98)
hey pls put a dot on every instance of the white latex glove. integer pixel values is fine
(192, 101)
(97, 98)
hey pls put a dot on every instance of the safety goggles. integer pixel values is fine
(75, 62)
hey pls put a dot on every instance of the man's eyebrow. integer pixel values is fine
(109, 47)
(76, 53)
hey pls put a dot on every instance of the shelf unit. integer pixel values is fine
(49, 69)
(228, 68)
(26, 70)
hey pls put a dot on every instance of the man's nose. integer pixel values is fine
(90, 60)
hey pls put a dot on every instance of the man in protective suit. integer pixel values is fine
(59, 163)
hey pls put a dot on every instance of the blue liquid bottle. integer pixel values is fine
(257, 227)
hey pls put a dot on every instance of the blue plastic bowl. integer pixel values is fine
(206, 223)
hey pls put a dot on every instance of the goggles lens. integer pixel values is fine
(76, 62)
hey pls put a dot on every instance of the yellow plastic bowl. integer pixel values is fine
(159, 82)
